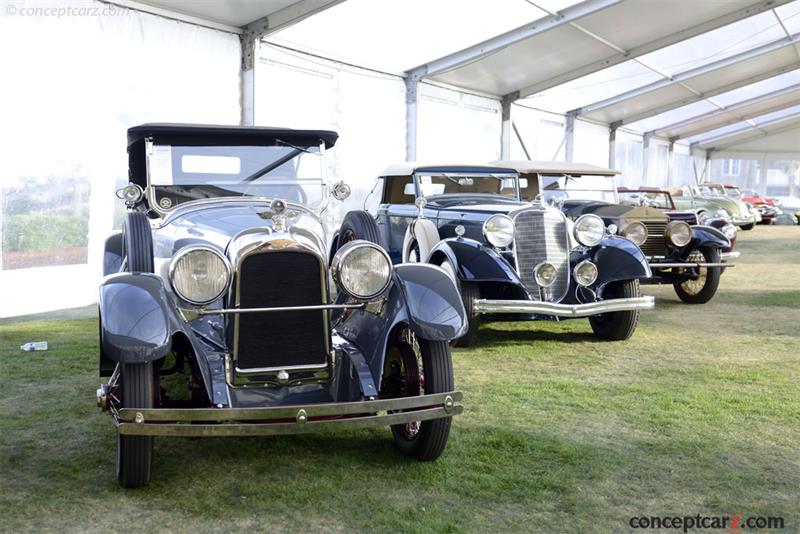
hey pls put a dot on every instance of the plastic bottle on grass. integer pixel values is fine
(33, 346)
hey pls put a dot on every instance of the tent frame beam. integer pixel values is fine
(646, 48)
(766, 97)
(498, 42)
(684, 77)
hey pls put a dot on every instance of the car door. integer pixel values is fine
(395, 213)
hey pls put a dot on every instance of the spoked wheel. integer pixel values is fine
(617, 326)
(415, 367)
(700, 289)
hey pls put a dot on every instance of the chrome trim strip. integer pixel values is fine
(563, 310)
(657, 265)
(227, 311)
(732, 255)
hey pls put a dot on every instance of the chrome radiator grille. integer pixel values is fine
(655, 244)
(541, 235)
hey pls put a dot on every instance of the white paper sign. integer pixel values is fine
(161, 165)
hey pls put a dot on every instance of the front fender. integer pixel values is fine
(136, 319)
(708, 236)
(619, 259)
(420, 295)
(473, 261)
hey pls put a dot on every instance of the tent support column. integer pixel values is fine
(569, 137)
(250, 40)
(646, 156)
(612, 147)
(763, 171)
(670, 162)
(412, 101)
(505, 128)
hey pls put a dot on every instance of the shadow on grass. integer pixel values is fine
(496, 336)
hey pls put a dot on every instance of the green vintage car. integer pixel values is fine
(709, 200)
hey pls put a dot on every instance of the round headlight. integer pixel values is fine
(499, 230)
(585, 273)
(729, 230)
(589, 230)
(636, 232)
(361, 269)
(200, 275)
(679, 233)
(545, 274)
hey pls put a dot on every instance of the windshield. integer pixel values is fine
(557, 187)
(712, 190)
(656, 199)
(431, 186)
(180, 174)
(733, 191)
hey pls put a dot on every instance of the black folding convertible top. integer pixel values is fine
(194, 134)
(212, 135)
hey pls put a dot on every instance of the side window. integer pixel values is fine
(395, 190)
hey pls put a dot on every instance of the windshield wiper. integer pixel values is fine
(273, 165)
(280, 161)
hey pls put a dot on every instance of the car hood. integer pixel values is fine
(609, 212)
(485, 208)
(216, 223)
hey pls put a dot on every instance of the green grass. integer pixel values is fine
(698, 413)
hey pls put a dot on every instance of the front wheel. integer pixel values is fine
(470, 292)
(617, 326)
(746, 227)
(417, 367)
(701, 289)
(135, 453)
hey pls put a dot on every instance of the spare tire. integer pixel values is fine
(358, 225)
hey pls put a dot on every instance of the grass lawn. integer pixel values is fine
(698, 414)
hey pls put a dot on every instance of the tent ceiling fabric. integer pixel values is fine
(617, 32)
(781, 135)
(231, 14)
(741, 111)
(696, 84)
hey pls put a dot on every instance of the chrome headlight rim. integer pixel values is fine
(173, 265)
(487, 233)
(578, 268)
(539, 279)
(625, 231)
(580, 237)
(671, 233)
(337, 264)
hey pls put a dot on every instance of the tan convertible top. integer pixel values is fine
(547, 167)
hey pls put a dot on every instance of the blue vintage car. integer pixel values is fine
(691, 257)
(220, 274)
(512, 259)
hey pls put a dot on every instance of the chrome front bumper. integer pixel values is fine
(201, 422)
(563, 310)
(743, 219)
(729, 256)
(684, 265)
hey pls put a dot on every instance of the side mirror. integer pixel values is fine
(340, 191)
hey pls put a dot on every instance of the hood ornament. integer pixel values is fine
(278, 207)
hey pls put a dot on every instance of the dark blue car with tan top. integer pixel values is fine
(512, 259)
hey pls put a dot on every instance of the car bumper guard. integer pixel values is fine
(563, 310)
(200, 422)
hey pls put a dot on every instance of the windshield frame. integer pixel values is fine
(150, 190)
(612, 177)
(481, 175)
